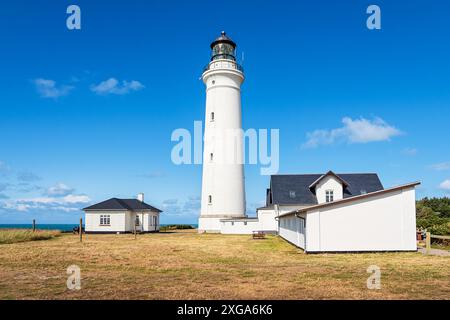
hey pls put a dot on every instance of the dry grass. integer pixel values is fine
(186, 265)
(8, 236)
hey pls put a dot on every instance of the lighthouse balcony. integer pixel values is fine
(223, 64)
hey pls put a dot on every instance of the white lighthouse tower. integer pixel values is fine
(223, 194)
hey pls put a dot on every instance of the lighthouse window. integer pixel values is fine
(212, 116)
(211, 156)
(209, 199)
(213, 82)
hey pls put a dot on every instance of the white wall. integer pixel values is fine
(292, 229)
(267, 220)
(117, 221)
(149, 223)
(386, 222)
(121, 221)
(329, 183)
(240, 227)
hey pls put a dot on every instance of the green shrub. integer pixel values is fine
(434, 215)
(176, 227)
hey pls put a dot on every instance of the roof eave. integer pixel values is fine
(351, 199)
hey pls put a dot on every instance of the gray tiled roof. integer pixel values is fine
(294, 189)
(122, 204)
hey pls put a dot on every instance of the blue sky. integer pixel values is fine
(86, 115)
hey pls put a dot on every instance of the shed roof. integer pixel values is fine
(121, 204)
(351, 199)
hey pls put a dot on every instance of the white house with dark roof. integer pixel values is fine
(335, 213)
(122, 216)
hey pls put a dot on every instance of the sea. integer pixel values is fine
(61, 227)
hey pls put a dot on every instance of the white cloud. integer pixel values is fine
(113, 86)
(445, 185)
(48, 88)
(440, 166)
(71, 198)
(59, 190)
(67, 203)
(353, 131)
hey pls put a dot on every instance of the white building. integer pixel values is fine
(122, 216)
(335, 213)
(223, 194)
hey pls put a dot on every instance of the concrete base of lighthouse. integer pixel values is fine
(212, 224)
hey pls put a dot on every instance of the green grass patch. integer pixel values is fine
(15, 235)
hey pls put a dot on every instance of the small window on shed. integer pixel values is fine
(292, 194)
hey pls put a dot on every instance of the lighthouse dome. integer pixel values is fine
(223, 48)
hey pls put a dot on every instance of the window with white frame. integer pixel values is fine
(329, 195)
(210, 199)
(105, 220)
(211, 156)
(212, 116)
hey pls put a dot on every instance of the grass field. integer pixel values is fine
(24, 235)
(186, 265)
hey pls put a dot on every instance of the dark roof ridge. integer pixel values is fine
(321, 173)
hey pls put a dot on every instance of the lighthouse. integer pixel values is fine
(223, 191)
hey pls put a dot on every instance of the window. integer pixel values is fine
(245, 223)
(212, 116)
(329, 195)
(210, 199)
(105, 220)
(211, 156)
(292, 194)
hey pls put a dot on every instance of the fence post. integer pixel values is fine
(428, 243)
(81, 230)
(34, 225)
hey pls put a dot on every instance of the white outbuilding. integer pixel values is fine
(331, 212)
(122, 216)
(344, 213)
